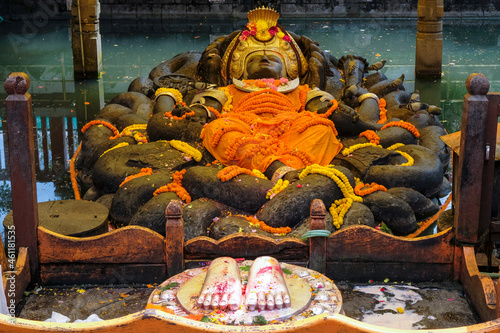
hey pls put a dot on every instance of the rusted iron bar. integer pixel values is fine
(469, 172)
(174, 238)
(317, 245)
(22, 165)
(429, 44)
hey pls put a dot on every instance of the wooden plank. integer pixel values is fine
(362, 243)
(22, 164)
(174, 238)
(152, 320)
(363, 271)
(18, 279)
(479, 288)
(57, 274)
(317, 245)
(246, 245)
(131, 244)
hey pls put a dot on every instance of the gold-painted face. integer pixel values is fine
(264, 65)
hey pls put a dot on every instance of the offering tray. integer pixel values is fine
(311, 294)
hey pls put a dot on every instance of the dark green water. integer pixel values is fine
(131, 49)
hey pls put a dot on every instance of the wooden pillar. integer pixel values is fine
(174, 238)
(429, 48)
(473, 153)
(22, 165)
(86, 39)
(317, 244)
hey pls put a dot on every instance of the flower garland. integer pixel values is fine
(302, 155)
(72, 172)
(232, 171)
(410, 160)
(176, 187)
(132, 131)
(187, 149)
(234, 145)
(259, 174)
(368, 188)
(169, 114)
(403, 124)
(338, 210)
(303, 97)
(121, 144)
(383, 111)
(277, 188)
(351, 149)
(265, 83)
(330, 110)
(214, 140)
(262, 225)
(426, 223)
(371, 136)
(100, 123)
(144, 172)
(228, 106)
(318, 121)
(214, 111)
(395, 146)
(336, 175)
(177, 94)
(262, 101)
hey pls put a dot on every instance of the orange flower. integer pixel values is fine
(144, 172)
(403, 124)
(383, 111)
(100, 122)
(72, 171)
(369, 188)
(318, 121)
(371, 136)
(232, 171)
(265, 227)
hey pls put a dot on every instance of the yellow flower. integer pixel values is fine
(186, 148)
(280, 34)
(121, 144)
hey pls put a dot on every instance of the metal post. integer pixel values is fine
(22, 165)
(429, 48)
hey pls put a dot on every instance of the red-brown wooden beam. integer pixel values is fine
(22, 165)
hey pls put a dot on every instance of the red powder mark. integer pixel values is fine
(265, 270)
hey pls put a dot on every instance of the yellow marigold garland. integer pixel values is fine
(132, 131)
(383, 111)
(228, 106)
(144, 172)
(173, 91)
(410, 160)
(186, 148)
(100, 123)
(338, 210)
(371, 136)
(72, 172)
(232, 171)
(336, 175)
(259, 174)
(403, 124)
(351, 149)
(277, 188)
(368, 188)
(121, 144)
(262, 225)
(395, 146)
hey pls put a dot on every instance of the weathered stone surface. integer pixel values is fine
(425, 175)
(106, 200)
(152, 214)
(422, 207)
(114, 166)
(112, 112)
(359, 214)
(233, 224)
(393, 211)
(244, 192)
(293, 204)
(164, 128)
(430, 138)
(396, 98)
(135, 193)
(422, 119)
(300, 229)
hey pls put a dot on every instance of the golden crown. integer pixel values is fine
(268, 15)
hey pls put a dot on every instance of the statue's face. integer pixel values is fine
(264, 66)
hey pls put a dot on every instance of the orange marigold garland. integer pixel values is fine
(100, 122)
(371, 136)
(144, 172)
(232, 171)
(214, 140)
(318, 121)
(170, 115)
(214, 111)
(176, 187)
(72, 171)
(403, 124)
(383, 111)
(365, 189)
(263, 226)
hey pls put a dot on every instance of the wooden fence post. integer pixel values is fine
(317, 245)
(473, 153)
(174, 238)
(22, 165)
